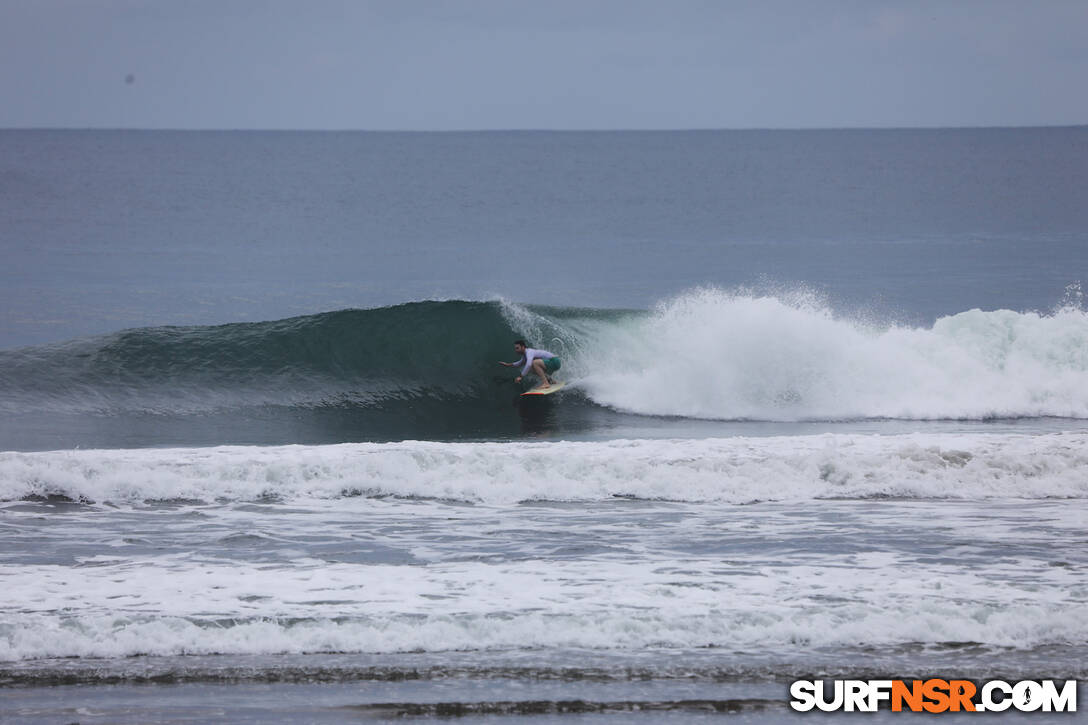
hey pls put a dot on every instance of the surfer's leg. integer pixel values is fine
(538, 368)
(550, 366)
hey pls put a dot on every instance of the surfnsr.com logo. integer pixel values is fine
(934, 695)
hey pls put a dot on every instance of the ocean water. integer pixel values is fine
(827, 417)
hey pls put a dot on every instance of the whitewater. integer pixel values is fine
(733, 470)
(725, 354)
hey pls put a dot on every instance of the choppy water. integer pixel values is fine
(827, 414)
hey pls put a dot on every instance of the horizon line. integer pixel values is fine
(692, 129)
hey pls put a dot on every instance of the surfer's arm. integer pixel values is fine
(513, 364)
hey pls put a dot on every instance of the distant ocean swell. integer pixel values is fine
(732, 470)
(709, 353)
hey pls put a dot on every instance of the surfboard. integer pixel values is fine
(553, 388)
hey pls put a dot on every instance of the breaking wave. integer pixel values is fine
(709, 353)
(733, 470)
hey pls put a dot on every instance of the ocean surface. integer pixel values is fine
(827, 418)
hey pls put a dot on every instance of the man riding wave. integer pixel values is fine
(541, 362)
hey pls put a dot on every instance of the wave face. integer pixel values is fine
(709, 353)
(427, 351)
(729, 470)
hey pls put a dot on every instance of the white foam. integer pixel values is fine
(717, 354)
(188, 606)
(735, 470)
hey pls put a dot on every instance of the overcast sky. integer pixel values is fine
(540, 64)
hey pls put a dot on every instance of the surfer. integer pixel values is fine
(541, 362)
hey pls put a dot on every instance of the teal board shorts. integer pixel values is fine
(552, 364)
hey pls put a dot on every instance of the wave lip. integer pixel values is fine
(733, 470)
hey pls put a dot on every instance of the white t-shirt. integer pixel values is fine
(530, 355)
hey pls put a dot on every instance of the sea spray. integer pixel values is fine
(726, 355)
